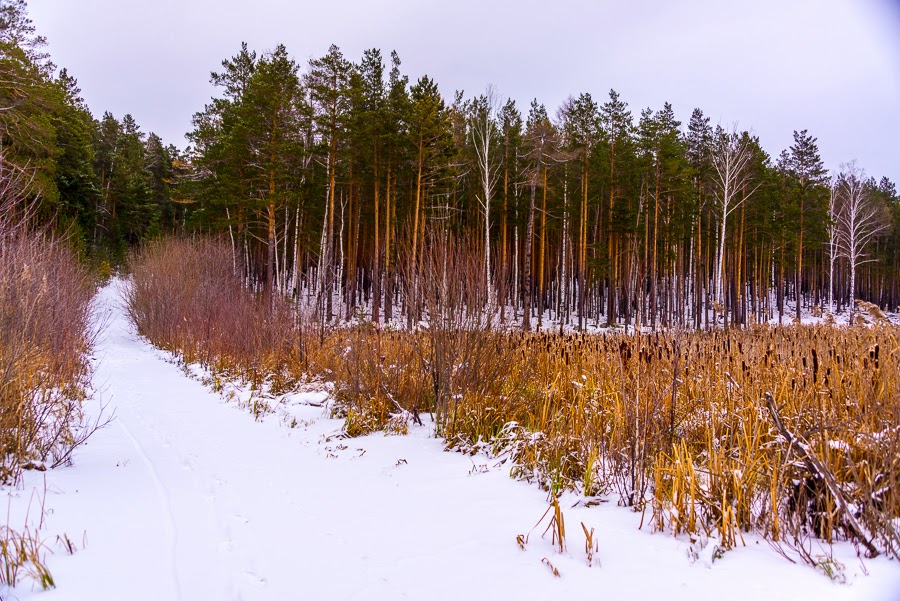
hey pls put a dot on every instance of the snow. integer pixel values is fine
(187, 496)
(550, 319)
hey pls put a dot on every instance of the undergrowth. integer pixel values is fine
(186, 298)
(791, 433)
(45, 338)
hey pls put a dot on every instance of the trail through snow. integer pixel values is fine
(186, 497)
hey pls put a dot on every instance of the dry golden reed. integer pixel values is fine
(673, 424)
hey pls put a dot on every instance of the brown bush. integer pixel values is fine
(44, 338)
(44, 314)
(186, 297)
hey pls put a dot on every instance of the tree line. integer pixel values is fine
(334, 180)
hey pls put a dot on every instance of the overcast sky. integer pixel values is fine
(829, 66)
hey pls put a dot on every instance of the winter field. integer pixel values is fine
(192, 493)
(422, 319)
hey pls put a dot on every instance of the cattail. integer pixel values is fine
(815, 358)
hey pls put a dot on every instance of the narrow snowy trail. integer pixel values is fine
(186, 497)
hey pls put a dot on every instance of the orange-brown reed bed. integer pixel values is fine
(674, 424)
(791, 433)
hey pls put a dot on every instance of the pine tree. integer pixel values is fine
(810, 174)
(271, 126)
(219, 156)
(371, 125)
(430, 136)
(511, 133)
(328, 82)
(131, 187)
(582, 132)
(616, 122)
(540, 144)
(28, 101)
(699, 156)
(397, 150)
(158, 161)
(76, 180)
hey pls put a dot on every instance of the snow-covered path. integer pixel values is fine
(186, 497)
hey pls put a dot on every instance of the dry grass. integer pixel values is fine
(23, 554)
(44, 339)
(456, 354)
(675, 425)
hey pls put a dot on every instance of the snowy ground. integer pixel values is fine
(550, 322)
(185, 496)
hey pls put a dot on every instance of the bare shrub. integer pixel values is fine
(458, 350)
(186, 297)
(462, 350)
(373, 381)
(44, 337)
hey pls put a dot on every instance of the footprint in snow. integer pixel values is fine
(254, 578)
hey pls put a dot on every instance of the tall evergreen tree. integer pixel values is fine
(431, 138)
(270, 125)
(540, 144)
(582, 132)
(329, 81)
(511, 130)
(616, 122)
(811, 206)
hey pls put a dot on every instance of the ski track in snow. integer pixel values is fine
(186, 497)
(163, 494)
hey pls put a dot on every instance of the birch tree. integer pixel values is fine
(731, 158)
(861, 219)
(832, 245)
(485, 136)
